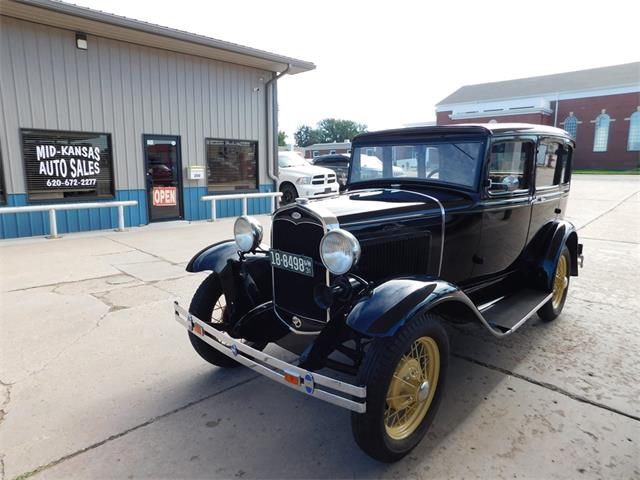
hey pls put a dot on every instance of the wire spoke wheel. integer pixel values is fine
(412, 388)
(560, 282)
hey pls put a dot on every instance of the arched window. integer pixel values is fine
(633, 145)
(601, 136)
(571, 125)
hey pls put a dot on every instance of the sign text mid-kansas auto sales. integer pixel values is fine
(74, 161)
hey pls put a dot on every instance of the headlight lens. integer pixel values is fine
(339, 251)
(303, 180)
(248, 233)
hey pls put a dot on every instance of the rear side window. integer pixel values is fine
(508, 166)
(553, 164)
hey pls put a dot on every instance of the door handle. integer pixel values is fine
(538, 199)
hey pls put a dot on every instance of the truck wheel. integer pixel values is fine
(554, 306)
(289, 194)
(208, 305)
(404, 376)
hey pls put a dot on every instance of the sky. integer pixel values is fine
(387, 63)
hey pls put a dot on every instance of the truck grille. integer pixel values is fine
(323, 179)
(293, 292)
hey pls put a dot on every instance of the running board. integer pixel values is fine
(507, 314)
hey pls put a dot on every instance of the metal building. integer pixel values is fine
(101, 107)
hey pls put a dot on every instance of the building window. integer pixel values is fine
(332, 152)
(231, 165)
(601, 135)
(571, 125)
(315, 153)
(67, 165)
(633, 144)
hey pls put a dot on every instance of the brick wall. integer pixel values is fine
(618, 107)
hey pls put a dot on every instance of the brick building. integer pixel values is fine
(600, 107)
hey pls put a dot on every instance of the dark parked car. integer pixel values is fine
(337, 162)
(460, 224)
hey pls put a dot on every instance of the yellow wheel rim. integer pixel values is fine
(560, 282)
(412, 388)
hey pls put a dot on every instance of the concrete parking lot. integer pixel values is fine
(98, 381)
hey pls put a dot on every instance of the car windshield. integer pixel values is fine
(444, 162)
(291, 160)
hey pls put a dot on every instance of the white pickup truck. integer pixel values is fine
(297, 178)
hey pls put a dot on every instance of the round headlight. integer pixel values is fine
(248, 233)
(339, 251)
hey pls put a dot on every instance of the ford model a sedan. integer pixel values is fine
(457, 224)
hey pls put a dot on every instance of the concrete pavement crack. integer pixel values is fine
(609, 210)
(115, 436)
(157, 257)
(548, 386)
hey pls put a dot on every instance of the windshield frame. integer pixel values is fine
(483, 140)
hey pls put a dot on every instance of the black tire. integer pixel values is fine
(289, 193)
(380, 363)
(550, 310)
(202, 305)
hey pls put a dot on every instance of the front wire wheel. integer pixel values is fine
(208, 305)
(404, 376)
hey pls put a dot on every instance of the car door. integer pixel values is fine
(550, 168)
(506, 205)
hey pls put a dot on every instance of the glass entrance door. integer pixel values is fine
(163, 173)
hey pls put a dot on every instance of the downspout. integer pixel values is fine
(272, 121)
(555, 117)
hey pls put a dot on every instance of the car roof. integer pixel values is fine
(461, 129)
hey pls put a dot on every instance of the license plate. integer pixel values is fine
(327, 190)
(292, 262)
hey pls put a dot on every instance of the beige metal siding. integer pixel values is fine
(123, 89)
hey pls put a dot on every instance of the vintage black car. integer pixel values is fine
(460, 224)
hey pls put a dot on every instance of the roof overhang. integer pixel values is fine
(92, 22)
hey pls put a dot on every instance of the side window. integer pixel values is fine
(547, 164)
(508, 166)
(564, 163)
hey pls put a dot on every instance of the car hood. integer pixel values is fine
(378, 205)
(310, 170)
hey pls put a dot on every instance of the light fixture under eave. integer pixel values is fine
(81, 41)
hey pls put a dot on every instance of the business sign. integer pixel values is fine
(67, 161)
(164, 196)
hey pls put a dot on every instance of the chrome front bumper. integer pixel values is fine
(351, 397)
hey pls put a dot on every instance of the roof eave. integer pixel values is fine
(92, 22)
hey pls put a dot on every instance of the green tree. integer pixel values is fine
(282, 138)
(305, 136)
(338, 130)
(327, 131)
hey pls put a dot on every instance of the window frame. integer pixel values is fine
(88, 198)
(561, 142)
(230, 192)
(527, 168)
(3, 185)
(635, 114)
(595, 132)
(574, 121)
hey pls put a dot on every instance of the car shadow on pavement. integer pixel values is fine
(261, 430)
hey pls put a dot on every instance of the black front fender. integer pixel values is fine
(214, 257)
(393, 303)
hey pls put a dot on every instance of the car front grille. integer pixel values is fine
(403, 256)
(293, 292)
